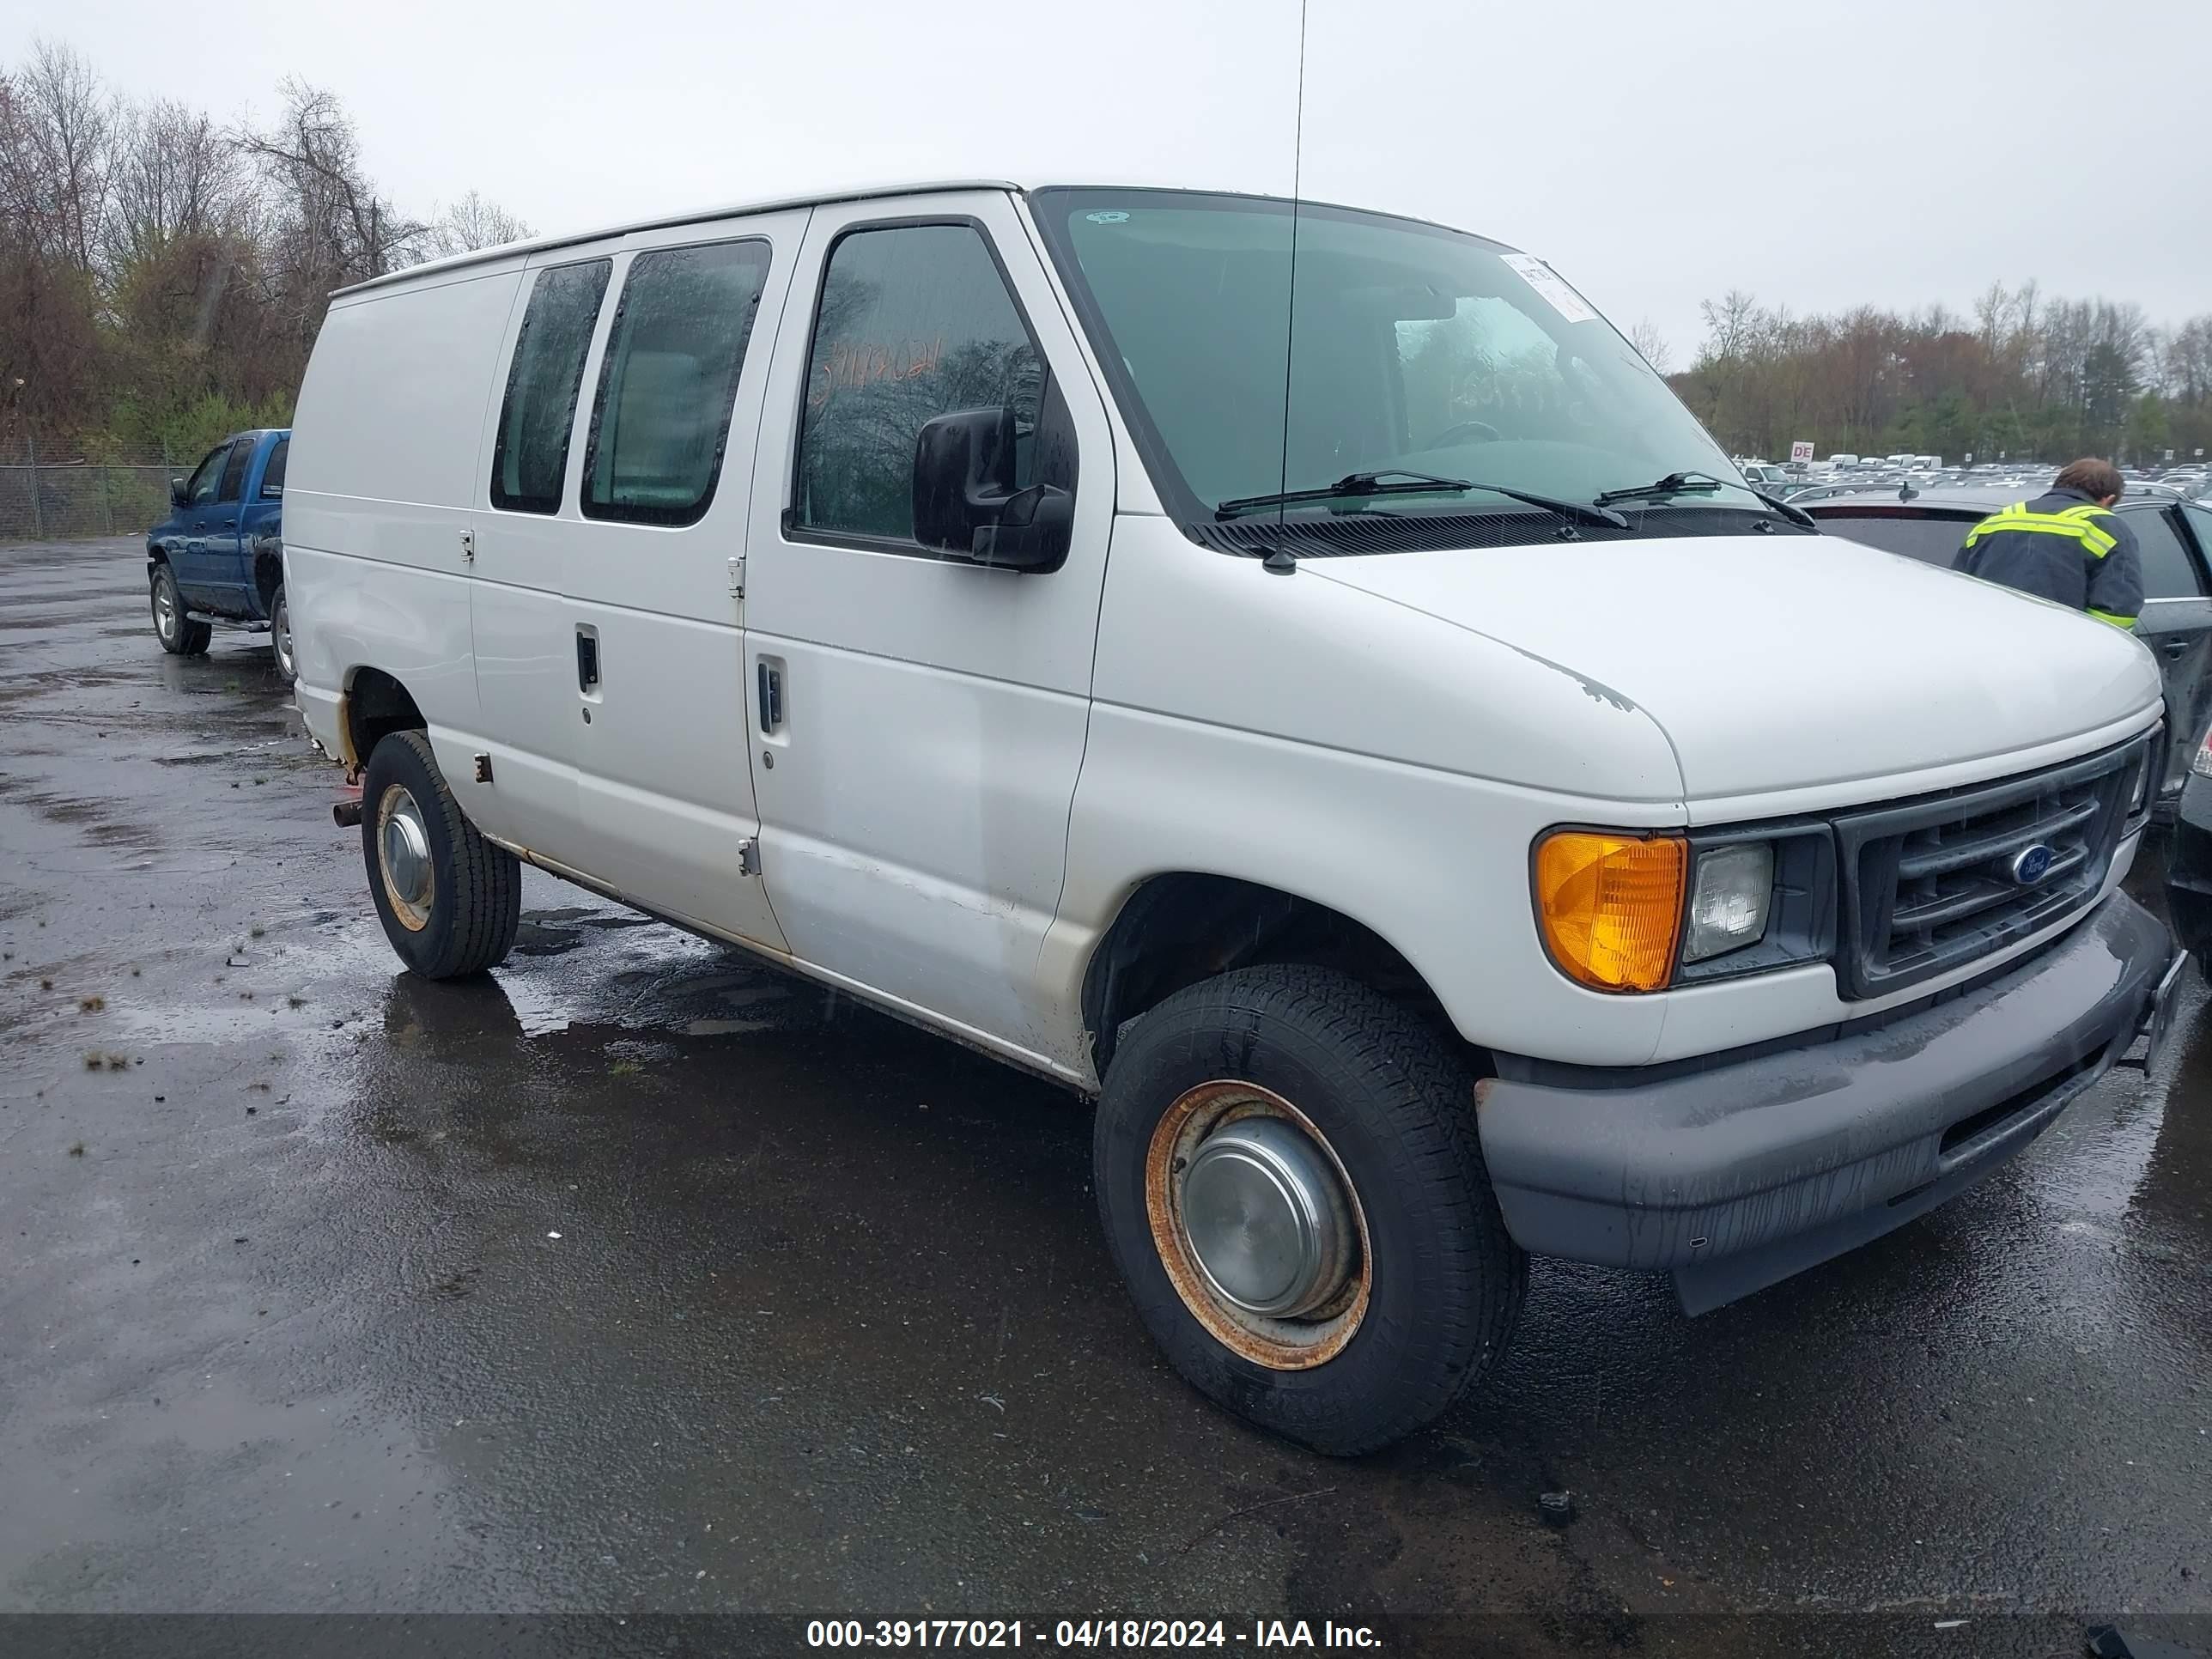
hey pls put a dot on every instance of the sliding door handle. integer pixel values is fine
(771, 696)
(587, 660)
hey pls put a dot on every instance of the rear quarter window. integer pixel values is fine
(272, 475)
(530, 456)
(1930, 540)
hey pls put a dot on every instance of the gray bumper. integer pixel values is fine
(1737, 1175)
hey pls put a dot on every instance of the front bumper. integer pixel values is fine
(1737, 1175)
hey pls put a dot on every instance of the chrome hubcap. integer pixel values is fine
(280, 636)
(165, 609)
(1258, 1225)
(1262, 1220)
(404, 845)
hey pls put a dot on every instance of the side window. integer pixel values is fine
(2200, 522)
(2168, 572)
(914, 321)
(200, 490)
(233, 471)
(662, 415)
(272, 476)
(530, 457)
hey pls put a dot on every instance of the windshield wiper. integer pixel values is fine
(1704, 483)
(1354, 484)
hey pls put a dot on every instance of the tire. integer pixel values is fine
(1440, 1285)
(280, 638)
(180, 634)
(463, 918)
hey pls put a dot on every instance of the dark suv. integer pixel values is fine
(2176, 566)
(219, 554)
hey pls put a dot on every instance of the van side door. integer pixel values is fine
(655, 565)
(918, 719)
(520, 534)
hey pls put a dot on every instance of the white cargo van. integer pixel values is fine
(1437, 810)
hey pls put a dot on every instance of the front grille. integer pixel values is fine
(1931, 884)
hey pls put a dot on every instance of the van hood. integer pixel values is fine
(1785, 661)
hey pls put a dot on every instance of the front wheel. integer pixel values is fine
(449, 900)
(280, 637)
(1290, 1183)
(180, 634)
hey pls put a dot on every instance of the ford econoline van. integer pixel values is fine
(1290, 673)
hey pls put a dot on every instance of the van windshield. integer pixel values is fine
(1414, 348)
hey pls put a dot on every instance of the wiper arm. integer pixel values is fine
(1373, 483)
(1674, 484)
(1353, 484)
(1703, 483)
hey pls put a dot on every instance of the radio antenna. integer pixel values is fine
(1290, 308)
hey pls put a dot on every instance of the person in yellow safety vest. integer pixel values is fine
(2067, 545)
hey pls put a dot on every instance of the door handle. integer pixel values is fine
(587, 660)
(771, 697)
(2177, 649)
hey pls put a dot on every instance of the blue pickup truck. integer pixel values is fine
(219, 554)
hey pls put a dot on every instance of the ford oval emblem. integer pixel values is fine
(2032, 864)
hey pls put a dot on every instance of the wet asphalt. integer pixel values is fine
(640, 1279)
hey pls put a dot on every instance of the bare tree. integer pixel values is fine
(175, 177)
(473, 223)
(330, 226)
(1650, 344)
(1729, 322)
(62, 142)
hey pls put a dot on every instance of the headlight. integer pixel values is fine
(2201, 763)
(1611, 906)
(1728, 900)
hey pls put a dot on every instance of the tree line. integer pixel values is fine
(2026, 375)
(163, 274)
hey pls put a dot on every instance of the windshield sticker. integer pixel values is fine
(1549, 284)
(1108, 218)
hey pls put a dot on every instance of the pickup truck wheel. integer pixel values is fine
(1292, 1186)
(280, 637)
(449, 900)
(180, 634)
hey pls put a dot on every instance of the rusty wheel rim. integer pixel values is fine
(1321, 1332)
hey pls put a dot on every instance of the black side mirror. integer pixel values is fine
(176, 492)
(964, 499)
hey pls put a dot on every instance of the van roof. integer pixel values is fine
(661, 221)
(817, 198)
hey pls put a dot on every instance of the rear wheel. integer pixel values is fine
(449, 900)
(180, 634)
(1290, 1183)
(280, 637)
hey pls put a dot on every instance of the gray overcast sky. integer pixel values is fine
(1820, 155)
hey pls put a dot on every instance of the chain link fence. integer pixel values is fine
(50, 497)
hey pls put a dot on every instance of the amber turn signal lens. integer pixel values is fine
(1611, 906)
